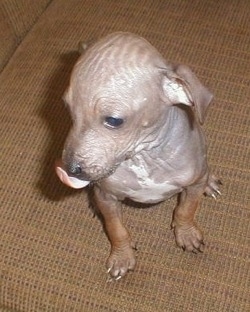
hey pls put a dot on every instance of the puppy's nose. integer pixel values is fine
(74, 169)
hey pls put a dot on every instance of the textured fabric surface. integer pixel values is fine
(52, 250)
(16, 19)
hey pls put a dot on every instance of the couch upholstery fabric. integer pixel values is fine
(52, 250)
(16, 18)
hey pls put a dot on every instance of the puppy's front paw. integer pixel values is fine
(120, 262)
(189, 237)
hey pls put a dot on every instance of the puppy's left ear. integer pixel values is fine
(181, 85)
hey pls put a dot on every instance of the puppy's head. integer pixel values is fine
(117, 98)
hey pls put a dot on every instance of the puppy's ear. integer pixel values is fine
(83, 46)
(180, 85)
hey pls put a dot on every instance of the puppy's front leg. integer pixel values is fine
(121, 258)
(187, 234)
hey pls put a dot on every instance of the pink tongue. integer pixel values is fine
(69, 181)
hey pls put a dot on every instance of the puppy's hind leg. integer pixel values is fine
(187, 234)
(121, 259)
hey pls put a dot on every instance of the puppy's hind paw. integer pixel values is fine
(189, 238)
(213, 187)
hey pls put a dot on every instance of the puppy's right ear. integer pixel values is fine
(181, 86)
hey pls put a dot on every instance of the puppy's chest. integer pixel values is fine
(142, 182)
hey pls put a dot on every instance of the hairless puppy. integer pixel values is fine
(135, 135)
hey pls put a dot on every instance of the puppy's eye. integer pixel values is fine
(113, 122)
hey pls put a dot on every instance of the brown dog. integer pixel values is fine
(135, 136)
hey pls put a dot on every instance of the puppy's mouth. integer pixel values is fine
(74, 182)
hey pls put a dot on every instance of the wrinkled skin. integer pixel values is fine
(153, 147)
